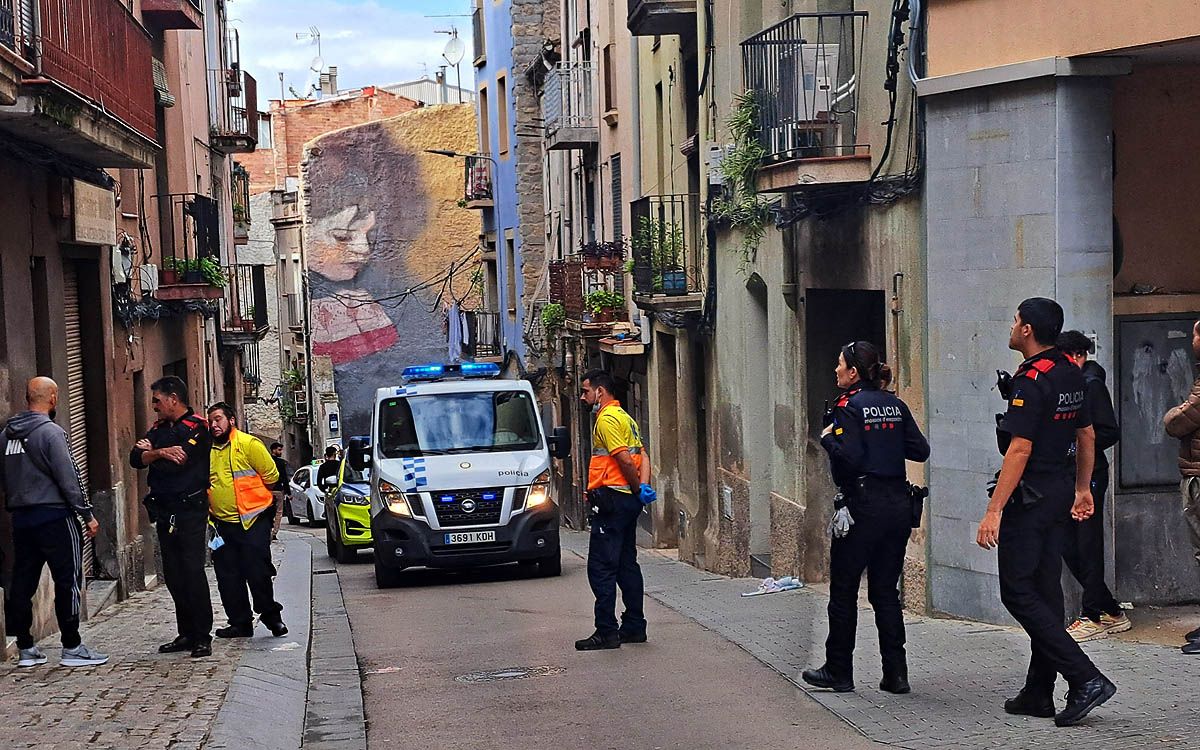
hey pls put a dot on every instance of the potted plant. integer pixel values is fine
(603, 305)
(169, 273)
(554, 315)
(603, 255)
(208, 271)
(661, 244)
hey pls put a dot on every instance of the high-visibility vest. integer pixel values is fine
(614, 430)
(240, 472)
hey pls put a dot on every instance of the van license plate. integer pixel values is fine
(471, 537)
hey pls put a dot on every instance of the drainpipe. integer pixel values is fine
(37, 36)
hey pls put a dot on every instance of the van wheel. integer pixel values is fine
(386, 577)
(550, 567)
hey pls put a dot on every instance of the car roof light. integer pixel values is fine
(439, 371)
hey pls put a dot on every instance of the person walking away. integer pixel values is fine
(618, 487)
(281, 493)
(242, 471)
(870, 435)
(1036, 494)
(175, 454)
(47, 500)
(1183, 422)
(1083, 545)
(329, 467)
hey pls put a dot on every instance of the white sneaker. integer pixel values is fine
(1084, 630)
(1118, 624)
(31, 657)
(82, 656)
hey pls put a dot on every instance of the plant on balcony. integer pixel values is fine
(662, 244)
(193, 271)
(554, 315)
(603, 304)
(603, 255)
(240, 214)
(740, 206)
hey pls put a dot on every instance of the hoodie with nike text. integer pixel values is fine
(38, 470)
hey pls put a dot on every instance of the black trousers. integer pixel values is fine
(612, 562)
(243, 564)
(876, 543)
(58, 544)
(182, 538)
(1030, 564)
(1083, 552)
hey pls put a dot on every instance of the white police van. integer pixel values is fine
(460, 473)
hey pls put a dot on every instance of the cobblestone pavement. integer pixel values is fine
(961, 671)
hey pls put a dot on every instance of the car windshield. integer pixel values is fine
(350, 475)
(448, 423)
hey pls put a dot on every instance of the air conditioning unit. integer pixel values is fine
(148, 275)
(808, 76)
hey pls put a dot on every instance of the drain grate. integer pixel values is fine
(509, 673)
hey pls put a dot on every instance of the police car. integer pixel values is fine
(460, 473)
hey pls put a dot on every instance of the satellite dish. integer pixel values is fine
(455, 50)
(314, 75)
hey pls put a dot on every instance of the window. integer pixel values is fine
(609, 72)
(510, 268)
(478, 33)
(301, 478)
(485, 123)
(264, 131)
(502, 114)
(449, 423)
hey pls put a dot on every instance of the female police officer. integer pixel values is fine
(870, 434)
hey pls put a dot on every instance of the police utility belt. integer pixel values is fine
(868, 486)
(159, 503)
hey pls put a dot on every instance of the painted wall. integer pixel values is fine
(973, 34)
(381, 216)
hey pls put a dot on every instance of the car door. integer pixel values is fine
(316, 494)
(300, 483)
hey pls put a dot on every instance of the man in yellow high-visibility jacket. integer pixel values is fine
(241, 473)
(618, 487)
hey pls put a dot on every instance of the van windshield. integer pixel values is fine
(449, 423)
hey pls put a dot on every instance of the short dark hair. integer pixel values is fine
(331, 451)
(1044, 316)
(226, 409)
(276, 444)
(601, 379)
(1076, 342)
(171, 385)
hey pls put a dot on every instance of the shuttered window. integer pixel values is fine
(76, 405)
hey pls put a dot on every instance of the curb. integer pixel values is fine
(265, 704)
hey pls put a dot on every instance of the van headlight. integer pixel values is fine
(539, 491)
(393, 498)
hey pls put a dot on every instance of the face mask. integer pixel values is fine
(596, 408)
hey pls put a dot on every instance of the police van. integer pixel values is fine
(460, 472)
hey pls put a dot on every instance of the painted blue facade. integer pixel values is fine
(503, 218)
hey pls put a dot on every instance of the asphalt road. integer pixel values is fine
(485, 659)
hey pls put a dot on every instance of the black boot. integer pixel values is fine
(1081, 700)
(1193, 635)
(597, 641)
(827, 678)
(895, 682)
(182, 643)
(1028, 703)
(236, 631)
(202, 649)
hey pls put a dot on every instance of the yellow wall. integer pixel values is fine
(972, 34)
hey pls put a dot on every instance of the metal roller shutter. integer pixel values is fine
(77, 432)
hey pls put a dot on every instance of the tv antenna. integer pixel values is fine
(316, 66)
(453, 53)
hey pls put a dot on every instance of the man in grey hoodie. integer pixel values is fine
(43, 492)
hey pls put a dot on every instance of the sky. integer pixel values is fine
(370, 41)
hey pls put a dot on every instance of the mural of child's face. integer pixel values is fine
(339, 248)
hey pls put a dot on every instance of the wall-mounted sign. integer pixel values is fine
(94, 214)
(333, 423)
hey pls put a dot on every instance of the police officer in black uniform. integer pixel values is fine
(1039, 490)
(869, 435)
(176, 451)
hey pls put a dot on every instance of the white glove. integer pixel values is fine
(840, 525)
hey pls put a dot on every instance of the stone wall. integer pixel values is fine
(264, 419)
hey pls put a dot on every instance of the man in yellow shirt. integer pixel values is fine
(241, 472)
(618, 487)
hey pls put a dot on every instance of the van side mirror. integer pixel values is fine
(560, 442)
(360, 454)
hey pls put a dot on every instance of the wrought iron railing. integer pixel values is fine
(805, 73)
(667, 245)
(477, 178)
(481, 334)
(244, 306)
(239, 188)
(190, 228)
(8, 26)
(235, 104)
(567, 102)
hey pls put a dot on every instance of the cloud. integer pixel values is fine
(370, 41)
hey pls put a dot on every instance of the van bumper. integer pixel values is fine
(408, 543)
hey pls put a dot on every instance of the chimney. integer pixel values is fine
(333, 87)
(443, 92)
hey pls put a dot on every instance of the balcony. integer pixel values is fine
(244, 305)
(805, 73)
(239, 188)
(172, 14)
(234, 126)
(667, 249)
(191, 248)
(477, 182)
(662, 17)
(481, 336)
(582, 292)
(93, 95)
(568, 107)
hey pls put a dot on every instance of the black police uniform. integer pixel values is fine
(1047, 405)
(178, 504)
(873, 433)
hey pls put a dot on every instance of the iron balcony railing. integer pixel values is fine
(234, 114)
(251, 369)
(191, 238)
(571, 283)
(477, 179)
(481, 335)
(804, 72)
(478, 39)
(667, 245)
(244, 306)
(239, 188)
(567, 103)
(8, 26)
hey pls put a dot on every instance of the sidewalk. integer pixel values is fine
(961, 671)
(143, 699)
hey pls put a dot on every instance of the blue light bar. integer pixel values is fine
(465, 370)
